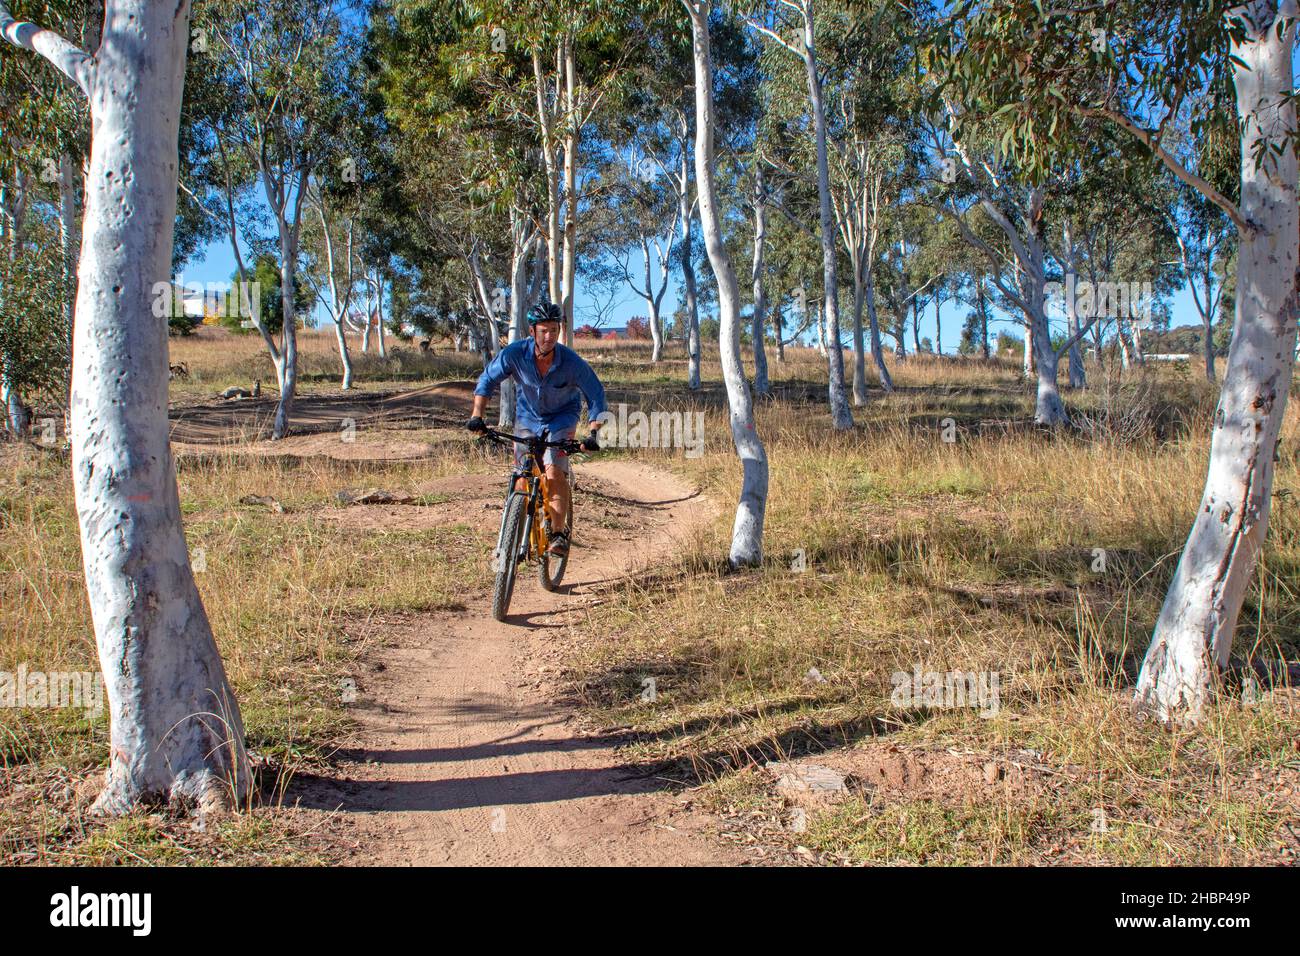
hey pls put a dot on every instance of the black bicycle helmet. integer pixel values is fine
(544, 312)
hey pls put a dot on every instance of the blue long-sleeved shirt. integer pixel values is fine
(551, 401)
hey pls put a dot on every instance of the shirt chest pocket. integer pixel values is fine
(554, 393)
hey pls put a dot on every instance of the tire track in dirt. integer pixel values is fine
(460, 761)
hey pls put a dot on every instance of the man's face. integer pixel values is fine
(546, 334)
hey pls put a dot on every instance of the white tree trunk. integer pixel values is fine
(344, 357)
(522, 245)
(1196, 623)
(859, 344)
(873, 322)
(176, 732)
(1078, 377)
(1207, 326)
(570, 189)
(339, 306)
(761, 385)
(1048, 407)
(1027, 360)
(656, 330)
(68, 245)
(652, 301)
(938, 326)
(379, 314)
(287, 365)
(688, 277)
(747, 531)
(547, 116)
(17, 416)
(841, 416)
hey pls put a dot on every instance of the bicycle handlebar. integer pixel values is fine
(570, 445)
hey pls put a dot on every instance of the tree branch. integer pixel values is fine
(1149, 139)
(69, 59)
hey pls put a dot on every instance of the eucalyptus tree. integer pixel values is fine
(1137, 66)
(1204, 236)
(902, 268)
(792, 25)
(758, 279)
(1117, 253)
(282, 68)
(747, 530)
(791, 255)
(557, 66)
(176, 734)
(633, 231)
(456, 105)
(42, 153)
(981, 177)
(871, 92)
(330, 241)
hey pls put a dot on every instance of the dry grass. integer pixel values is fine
(217, 358)
(977, 554)
(292, 600)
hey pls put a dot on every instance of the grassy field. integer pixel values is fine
(1043, 558)
(942, 534)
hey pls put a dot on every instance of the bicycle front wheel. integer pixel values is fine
(507, 555)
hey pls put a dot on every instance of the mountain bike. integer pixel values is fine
(526, 529)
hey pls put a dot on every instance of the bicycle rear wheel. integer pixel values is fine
(507, 555)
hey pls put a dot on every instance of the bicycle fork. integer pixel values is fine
(498, 556)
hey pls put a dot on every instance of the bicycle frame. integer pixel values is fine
(534, 536)
(524, 522)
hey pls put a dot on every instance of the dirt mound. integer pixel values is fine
(894, 773)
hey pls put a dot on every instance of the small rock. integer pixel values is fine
(263, 500)
(992, 772)
(810, 777)
(373, 496)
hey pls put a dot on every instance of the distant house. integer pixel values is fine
(619, 332)
(194, 302)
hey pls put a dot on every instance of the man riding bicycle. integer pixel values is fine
(550, 382)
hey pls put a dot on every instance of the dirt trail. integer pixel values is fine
(462, 759)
